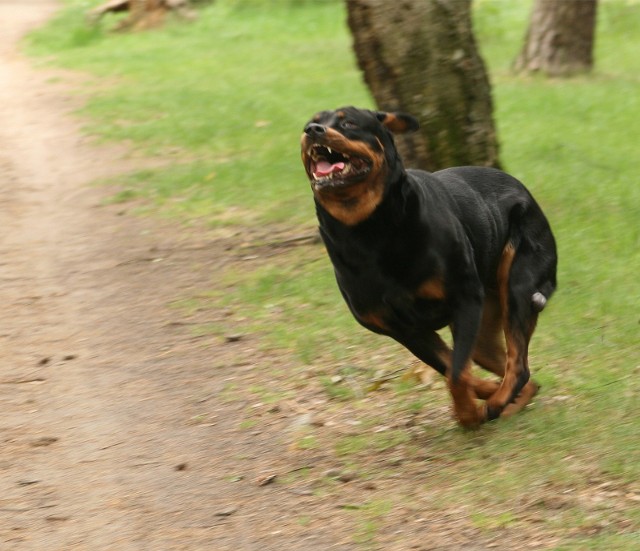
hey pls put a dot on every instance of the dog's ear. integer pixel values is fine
(398, 122)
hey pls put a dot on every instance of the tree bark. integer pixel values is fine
(560, 37)
(420, 56)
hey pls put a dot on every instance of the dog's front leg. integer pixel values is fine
(465, 327)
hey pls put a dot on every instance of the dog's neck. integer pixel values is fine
(388, 213)
(352, 205)
(355, 204)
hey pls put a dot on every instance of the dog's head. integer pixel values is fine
(349, 156)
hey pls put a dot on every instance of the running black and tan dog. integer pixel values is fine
(413, 252)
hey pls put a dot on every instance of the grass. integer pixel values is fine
(225, 99)
(221, 93)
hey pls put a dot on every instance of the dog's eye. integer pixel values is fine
(348, 125)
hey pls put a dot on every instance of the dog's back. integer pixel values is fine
(494, 208)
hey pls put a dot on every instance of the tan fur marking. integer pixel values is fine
(432, 289)
(356, 205)
(508, 254)
(526, 394)
(394, 124)
(500, 398)
(468, 388)
(489, 351)
(375, 320)
(482, 387)
(334, 139)
(465, 408)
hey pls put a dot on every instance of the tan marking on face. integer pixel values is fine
(334, 139)
(350, 203)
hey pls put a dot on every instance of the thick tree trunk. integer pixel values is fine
(560, 38)
(420, 56)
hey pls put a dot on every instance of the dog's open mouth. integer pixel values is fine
(329, 167)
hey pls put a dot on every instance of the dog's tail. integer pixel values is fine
(531, 235)
(543, 293)
(538, 301)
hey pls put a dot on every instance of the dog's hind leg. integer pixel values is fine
(490, 349)
(490, 354)
(516, 286)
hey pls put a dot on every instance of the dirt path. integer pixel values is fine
(113, 436)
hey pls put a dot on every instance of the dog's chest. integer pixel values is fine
(390, 295)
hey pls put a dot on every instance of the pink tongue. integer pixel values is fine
(323, 168)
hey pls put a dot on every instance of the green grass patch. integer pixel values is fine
(232, 89)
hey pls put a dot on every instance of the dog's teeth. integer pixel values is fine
(329, 150)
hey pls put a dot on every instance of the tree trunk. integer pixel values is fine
(559, 41)
(420, 56)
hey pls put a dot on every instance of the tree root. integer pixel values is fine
(143, 14)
